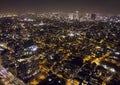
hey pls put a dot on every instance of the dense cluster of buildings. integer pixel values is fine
(61, 49)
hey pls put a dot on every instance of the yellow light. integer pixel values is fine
(34, 82)
(87, 58)
(76, 82)
(42, 77)
(60, 76)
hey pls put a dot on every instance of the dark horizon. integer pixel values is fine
(84, 6)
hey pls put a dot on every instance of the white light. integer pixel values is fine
(114, 57)
(63, 36)
(2, 45)
(118, 20)
(78, 34)
(98, 47)
(97, 63)
(25, 19)
(30, 20)
(1, 49)
(20, 60)
(59, 81)
(105, 66)
(3, 71)
(117, 53)
(33, 48)
(40, 24)
(71, 34)
(112, 70)
(50, 79)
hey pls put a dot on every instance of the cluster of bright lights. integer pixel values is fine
(110, 69)
(31, 48)
(71, 34)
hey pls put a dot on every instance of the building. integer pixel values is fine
(71, 16)
(76, 15)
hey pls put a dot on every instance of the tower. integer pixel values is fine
(76, 15)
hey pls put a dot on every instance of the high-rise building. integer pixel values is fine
(76, 15)
(71, 16)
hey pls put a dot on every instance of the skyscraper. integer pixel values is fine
(76, 15)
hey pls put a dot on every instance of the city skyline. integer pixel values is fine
(84, 6)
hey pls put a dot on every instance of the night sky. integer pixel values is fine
(99, 6)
